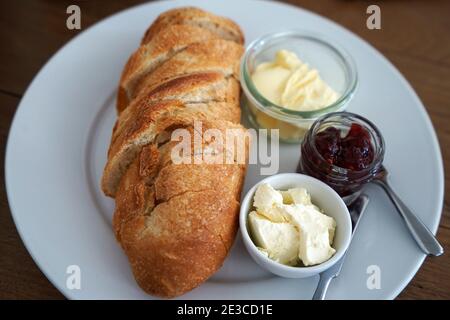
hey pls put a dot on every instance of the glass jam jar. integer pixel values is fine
(334, 63)
(344, 150)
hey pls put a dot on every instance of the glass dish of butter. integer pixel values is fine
(288, 228)
(291, 78)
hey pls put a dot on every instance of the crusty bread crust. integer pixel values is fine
(208, 56)
(148, 56)
(166, 106)
(224, 28)
(172, 32)
(173, 222)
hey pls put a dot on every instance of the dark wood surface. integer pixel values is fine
(415, 36)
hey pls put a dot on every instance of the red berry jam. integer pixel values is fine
(354, 151)
(328, 143)
(343, 150)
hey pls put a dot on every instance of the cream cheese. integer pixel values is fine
(289, 228)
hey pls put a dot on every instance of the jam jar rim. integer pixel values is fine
(337, 171)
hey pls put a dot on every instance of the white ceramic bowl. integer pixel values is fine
(322, 196)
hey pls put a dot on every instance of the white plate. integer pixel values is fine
(58, 141)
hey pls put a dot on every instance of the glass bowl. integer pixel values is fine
(336, 67)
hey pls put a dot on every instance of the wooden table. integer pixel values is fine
(415, 36)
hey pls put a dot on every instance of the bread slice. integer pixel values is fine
(209, 56)
(144, 125)
(147, 57)
(208, 94)
(173, 224)
(197, 87)
(191, 88)
(224, 28)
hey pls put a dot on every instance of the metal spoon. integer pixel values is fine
(423, 236)
(356, 210)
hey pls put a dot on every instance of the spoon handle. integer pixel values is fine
(423, 236)
(322, 286)
(356, 210)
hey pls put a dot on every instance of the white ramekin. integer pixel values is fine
(322, 196)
